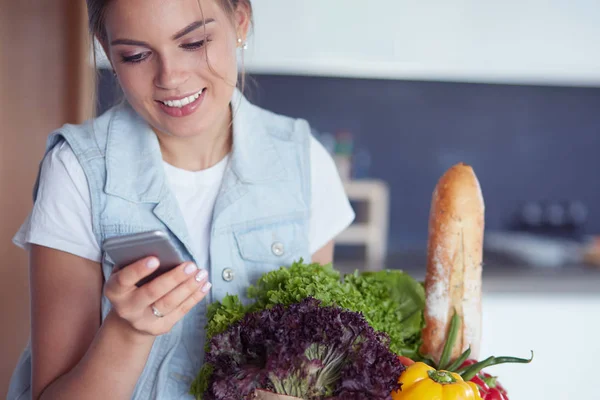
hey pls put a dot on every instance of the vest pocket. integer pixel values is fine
(276, 243)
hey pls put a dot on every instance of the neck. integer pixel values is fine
(198, 152)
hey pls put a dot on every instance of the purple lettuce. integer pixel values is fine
(303, 350)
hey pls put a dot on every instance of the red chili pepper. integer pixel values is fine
(489, 387)
(483, 387)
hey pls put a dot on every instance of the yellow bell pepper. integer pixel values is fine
(422, 382)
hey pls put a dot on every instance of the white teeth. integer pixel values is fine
(183, 102)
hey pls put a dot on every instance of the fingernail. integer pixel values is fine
(206, 287)
(152, 263)
(201, 275)
(190, 268)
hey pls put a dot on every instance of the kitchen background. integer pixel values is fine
(398, 91)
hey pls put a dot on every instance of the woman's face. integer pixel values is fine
(176, 61)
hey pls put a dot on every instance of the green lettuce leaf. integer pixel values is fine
(396, 303)
(221, 315)
(297, 282)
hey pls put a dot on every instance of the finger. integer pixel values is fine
(161, 285)
(125, 278)
(177, 296)
(189, 303)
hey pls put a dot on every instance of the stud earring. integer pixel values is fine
(243, 44)
(114, 73)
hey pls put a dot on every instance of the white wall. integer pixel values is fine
(510, 41)
(562, 330)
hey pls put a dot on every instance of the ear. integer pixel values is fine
(243, 17)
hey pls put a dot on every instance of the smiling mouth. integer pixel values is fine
(183, 102)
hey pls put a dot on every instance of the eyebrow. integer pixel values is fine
(190, 28)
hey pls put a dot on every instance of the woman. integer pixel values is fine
(236, 188)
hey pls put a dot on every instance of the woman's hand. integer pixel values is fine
(155, 307)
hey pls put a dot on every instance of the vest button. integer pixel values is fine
(277, 249)
(227, 274)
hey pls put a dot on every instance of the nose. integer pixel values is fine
(169, 76)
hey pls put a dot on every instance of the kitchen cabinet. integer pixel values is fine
(532, 41)
(562, 329)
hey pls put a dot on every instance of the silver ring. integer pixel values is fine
(156, 312)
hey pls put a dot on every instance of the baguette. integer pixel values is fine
(454, 263)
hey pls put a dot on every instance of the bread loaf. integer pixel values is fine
(454, 263)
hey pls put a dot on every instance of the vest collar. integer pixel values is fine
(134, 161)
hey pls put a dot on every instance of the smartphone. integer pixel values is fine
(125, 250)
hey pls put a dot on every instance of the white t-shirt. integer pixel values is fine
(61, 217)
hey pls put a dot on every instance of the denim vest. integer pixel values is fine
(260, 219)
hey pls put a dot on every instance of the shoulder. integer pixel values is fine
(320, 158)
(61, 168)
(325, 177)
(61, 154)
(69, 149)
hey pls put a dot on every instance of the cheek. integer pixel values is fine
(222, 64)
(135, 82)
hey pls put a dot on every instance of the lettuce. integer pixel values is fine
(391, 302)
(304, 350)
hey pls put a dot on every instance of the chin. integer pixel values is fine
(182, 130)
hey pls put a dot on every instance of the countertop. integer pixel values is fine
(503, 275)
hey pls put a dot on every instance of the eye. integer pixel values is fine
(195, 45)
(136, 58)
